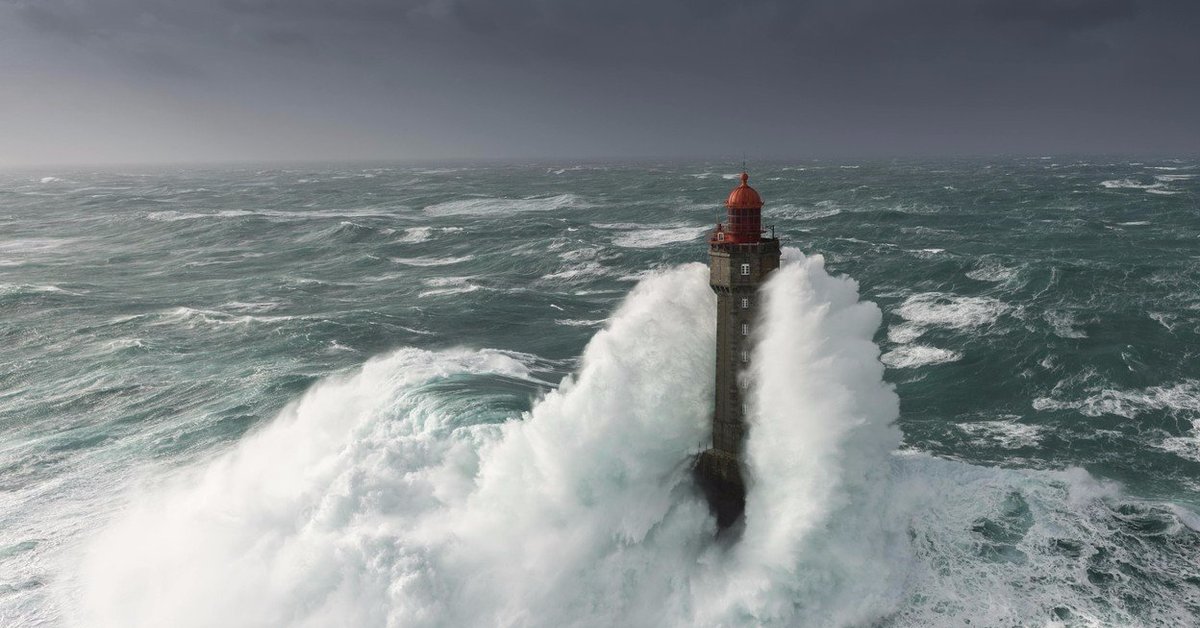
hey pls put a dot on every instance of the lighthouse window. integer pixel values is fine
(745, 270)
(745, 356)
(745, 302)
(720, 236)
(745, 329)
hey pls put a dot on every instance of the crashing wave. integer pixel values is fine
(400, 495)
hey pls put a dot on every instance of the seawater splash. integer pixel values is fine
(379, 499)
(293, 527)
(374, 501)
(821, 431)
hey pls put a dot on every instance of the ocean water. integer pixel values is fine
(448, 396)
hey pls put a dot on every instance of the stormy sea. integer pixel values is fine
(468, 395)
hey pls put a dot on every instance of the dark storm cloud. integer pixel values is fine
(536, 77)
(1065, 14)
(592, 31)
(53, 21)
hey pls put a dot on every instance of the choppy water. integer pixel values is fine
(323, 396)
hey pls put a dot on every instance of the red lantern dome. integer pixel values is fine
(744, 224)
(744, 196)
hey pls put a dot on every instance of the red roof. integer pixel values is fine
(744, 196)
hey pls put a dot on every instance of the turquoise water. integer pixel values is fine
(1038, 320)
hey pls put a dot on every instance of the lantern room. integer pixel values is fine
(744, 218)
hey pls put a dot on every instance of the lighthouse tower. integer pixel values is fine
(740, 259)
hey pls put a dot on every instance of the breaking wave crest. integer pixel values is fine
(483, 206)
(397, 496)
(821, 433)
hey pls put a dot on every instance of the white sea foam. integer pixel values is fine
(585, 293)
(34, 245)
(1187, 446)
(573, 272)
(432, 261)
(1125, 184)
(620, 225)
(29, 289)
(1174, 177)
(651, 238)
(272, 215)
(992, 271)
(904, 332)
(443, 286)
(1165, 319)
(122, 344)
(1131, 184)
(909, 356)
(584, 253)
(253, 307)
(197, 317)
(578, 322)
(823, 209)
(818, 214)
(939, 309)
(1064, 324)
(500, 206)
(936, 309)
(175, 216)
(416, 234)
(582, 263)
(1008, 434)
(640, 275)
(1174, 399)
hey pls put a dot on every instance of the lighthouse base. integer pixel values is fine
(720, 477)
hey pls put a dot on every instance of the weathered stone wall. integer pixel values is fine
(718, 470)
(737, 302)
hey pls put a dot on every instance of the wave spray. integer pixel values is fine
(388, 497)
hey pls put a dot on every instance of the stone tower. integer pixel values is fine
(740, 259)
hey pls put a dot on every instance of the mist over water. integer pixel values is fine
(428, 399)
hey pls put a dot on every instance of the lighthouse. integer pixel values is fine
(739, 260)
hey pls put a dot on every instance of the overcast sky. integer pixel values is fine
(91, 81)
